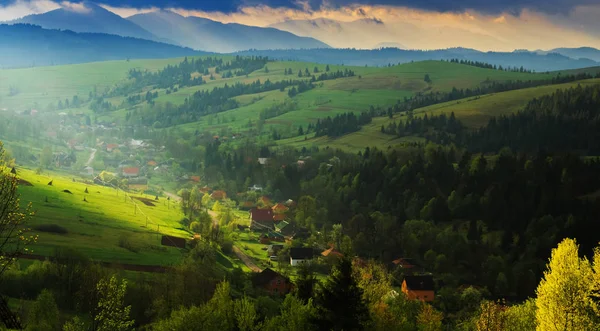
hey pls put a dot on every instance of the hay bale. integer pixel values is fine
(86, 190)
(50, 182)
(67, 191)
(13, 171)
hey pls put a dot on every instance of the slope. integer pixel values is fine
(208, 35)
(24, 45)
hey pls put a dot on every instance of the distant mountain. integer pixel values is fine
(385, 56)
(208, 35)
(86, 17)
(24, 45)
(578, 53)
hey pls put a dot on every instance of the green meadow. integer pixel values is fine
(107, 226)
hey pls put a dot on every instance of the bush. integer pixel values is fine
(125, 242)
(52, 228)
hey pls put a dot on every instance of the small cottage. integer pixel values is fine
(300, 255)
(419, 287)
(261, 219)
(272, 282)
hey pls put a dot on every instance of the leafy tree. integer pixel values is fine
(490, 317)
(245, 315)
(521, 317)
(295, 316)
(13, 220)
(340, 302)
(305, 283)
(112, 314)
(429, 319)
(43, 313)
(564, 292)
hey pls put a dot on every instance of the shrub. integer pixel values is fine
(125, 242)
(52, 228)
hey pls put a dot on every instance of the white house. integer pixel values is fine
(88, 171)
(300, 255)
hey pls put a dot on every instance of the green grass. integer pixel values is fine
(475, 112)
(96, 227)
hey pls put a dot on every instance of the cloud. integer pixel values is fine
(129, 11)
(75, 7)
(20, 8)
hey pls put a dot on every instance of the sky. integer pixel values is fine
(501, 25)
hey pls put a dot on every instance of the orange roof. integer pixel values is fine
(111, 146)
(332, 252)
(280, 208)
(218, 195)
(265, 199)
(131, 170)
(205, 189)
(152, 163)
(279, 217)
(195, 178)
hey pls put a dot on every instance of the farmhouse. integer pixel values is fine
(261, 219)
(272, 282)
(218, 195)
(130, 172)
(419, 287)
(111, 147)
(300, 255)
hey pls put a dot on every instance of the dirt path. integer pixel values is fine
(92, 156)
(246, 259)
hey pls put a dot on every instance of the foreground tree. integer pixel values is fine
(563, 301)
(14, 236)
(340, 302)
(112, 314)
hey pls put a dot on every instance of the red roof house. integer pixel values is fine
(110, 147)
(261, 219)
(273, 282)
(219, 195)
(131, 172)
(279, 208)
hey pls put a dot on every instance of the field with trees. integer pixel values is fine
(305, 196)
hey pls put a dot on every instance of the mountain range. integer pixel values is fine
(204, 34)
(24, 45)
(166, 26)
(384, 56)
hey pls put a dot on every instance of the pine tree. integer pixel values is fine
(340, 302)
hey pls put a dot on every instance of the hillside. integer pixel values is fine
(386, 56)
(208, 35)
(107, 226)
(86, 17)
(23, 45)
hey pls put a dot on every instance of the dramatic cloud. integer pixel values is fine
(419, 24)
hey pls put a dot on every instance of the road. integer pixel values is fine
(238, 252)
(92, 156)
(246, 259)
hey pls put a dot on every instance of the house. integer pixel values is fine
(274, 249)
(205, 189)
(255, 188)
(247, 205)
(332, 253)
(300, 255)
(272, 282)
(279, 217)
(419, 287)
(261, 219)
(172, 241)
(195, 179)
(130, 172)
(218, 195)
(263, 160)
(152, 163)
(88, 171)
(284, 228)
(111, 147)
(279, 208)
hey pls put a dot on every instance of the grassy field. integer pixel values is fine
(475, 112)
(105, 227)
